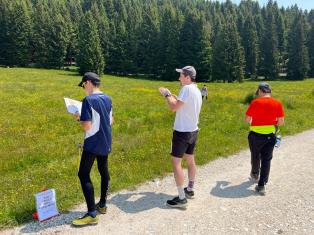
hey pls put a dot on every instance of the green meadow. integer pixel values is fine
(38, 137)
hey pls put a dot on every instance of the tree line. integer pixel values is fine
(224, 41)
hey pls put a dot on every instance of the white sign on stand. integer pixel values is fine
(46, 204)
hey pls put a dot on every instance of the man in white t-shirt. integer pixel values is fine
(187, 107)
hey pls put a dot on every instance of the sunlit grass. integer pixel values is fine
(38, 137)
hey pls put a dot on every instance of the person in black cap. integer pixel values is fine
(263, 115)
(187, 107)
(96, 119)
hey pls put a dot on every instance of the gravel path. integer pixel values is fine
(225, 201)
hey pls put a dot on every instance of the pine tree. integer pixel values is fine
(235, 55)
(110, 12)
(19, 31)
(58, 39)
(133, 29)
(250, 45)
(75, 13)
(216, 23)
(190, 40)
(58, 36)
(219, 69)
(5, 8)
(41, 26)
(297, 53)
(170, 27)
(118, 61)
(281, 32)
(228, 57)
(109, 9)
(90, 57)
(205, 53)
(100, 15)
(260, 31)
(148, 42)
(310, 43)
(269, 47)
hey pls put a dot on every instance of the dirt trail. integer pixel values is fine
(225, 200)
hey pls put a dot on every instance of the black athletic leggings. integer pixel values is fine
(261, 147)
(86, 164)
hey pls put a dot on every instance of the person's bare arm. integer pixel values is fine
(173, 102)
(247, 119)
(86, 125)
(280, 121)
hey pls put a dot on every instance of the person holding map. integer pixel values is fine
(96, 120)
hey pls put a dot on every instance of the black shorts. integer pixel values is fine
(183, 143)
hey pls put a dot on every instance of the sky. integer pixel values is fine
(304, 4)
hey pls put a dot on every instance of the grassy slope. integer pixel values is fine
(38, 138)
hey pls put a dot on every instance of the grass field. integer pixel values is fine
(38, 137)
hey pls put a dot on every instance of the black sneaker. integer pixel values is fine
(177, 202)
(188, 194)
(260, 190)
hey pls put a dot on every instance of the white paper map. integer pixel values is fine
(46, 204)
(73, 106)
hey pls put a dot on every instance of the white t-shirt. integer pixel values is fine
(187, 116)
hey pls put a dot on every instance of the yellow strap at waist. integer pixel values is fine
(263, 129)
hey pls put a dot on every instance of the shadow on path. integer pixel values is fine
(137, 202)
(225, 190)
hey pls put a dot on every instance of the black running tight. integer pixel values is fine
(86, 164)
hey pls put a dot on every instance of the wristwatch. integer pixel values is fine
(167, 95)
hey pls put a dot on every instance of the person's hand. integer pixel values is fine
(77, 116)
(164, 91)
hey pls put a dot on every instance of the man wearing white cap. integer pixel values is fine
(187, 107)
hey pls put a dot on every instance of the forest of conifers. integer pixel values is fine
(224, 41)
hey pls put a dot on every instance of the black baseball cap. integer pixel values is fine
(264, 87)
(89, 76)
